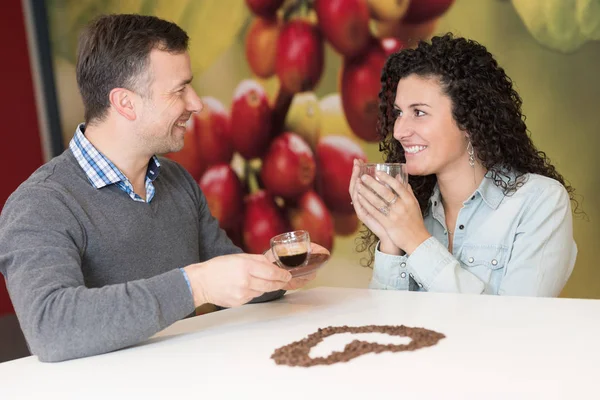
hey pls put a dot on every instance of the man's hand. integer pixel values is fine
(233, 280)
(300, 281)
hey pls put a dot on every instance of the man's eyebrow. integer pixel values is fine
(185, 82)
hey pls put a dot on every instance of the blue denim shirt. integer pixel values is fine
(521, 244)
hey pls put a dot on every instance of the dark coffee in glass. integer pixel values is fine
(291, 249)
(294, 260)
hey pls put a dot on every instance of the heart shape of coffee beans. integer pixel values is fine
(296, 354)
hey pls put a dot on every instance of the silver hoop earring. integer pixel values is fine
(471, 152)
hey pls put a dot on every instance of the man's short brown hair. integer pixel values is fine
(114, 52)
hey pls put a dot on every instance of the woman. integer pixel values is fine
(485, 211)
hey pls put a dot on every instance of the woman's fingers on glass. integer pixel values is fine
(373, 199)
(357, 205)
(371, 210)
(394, 183)
(366, 218)
(354, 176)
(361, 212)
(376, 192)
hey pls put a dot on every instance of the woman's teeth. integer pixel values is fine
(414, 149)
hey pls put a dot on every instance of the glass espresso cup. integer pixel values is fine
(291, 249)
(392, 169)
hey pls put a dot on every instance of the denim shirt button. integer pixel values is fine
(403, 275)
(420, 284)
(494, 262)
(403, 265)
(471, 259)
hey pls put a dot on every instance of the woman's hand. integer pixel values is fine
(392, 209)
(386, 245)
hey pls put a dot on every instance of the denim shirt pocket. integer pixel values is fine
(486, 262)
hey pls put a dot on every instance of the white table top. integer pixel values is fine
(495, 347)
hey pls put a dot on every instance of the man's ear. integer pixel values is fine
(124, 102)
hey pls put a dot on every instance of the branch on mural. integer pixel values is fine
(281, 106)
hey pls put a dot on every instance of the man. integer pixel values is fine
(106, 245)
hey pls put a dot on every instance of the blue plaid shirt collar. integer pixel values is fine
(102, 172)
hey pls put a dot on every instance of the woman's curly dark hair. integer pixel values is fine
(484, 104)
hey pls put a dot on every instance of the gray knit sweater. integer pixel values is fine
(90, 270)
